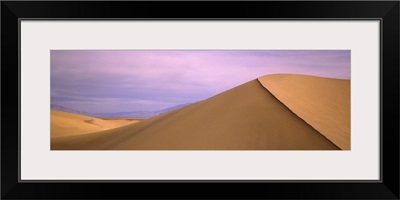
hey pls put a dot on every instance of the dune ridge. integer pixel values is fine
(324, 103)
(247, 117)
(67, 124)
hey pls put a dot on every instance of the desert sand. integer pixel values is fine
(324, 103)
(68, 124)
(247, 117)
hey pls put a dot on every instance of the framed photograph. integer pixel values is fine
(256, 98)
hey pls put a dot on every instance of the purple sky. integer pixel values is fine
(99, 81)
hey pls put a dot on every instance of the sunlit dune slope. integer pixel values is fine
(244, 118)
(324, 103)
(67, 124)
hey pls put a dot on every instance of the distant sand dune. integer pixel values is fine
(324, 103)
(246, 117)
(68, 124)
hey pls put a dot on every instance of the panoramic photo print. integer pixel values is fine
(200, 99)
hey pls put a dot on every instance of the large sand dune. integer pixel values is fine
(247, 117)
(324, 103)
(68, 124)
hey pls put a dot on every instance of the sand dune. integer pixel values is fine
(247, 117)
(324, 103)
(68, 124)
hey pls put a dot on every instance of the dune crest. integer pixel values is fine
(324, 103)
(246, 117)
(68, 124)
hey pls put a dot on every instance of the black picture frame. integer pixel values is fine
(385, 11)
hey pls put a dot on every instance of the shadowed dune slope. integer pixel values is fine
(243, 118)
(324, 103)
(68, 124)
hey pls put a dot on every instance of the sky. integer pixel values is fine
(107, 81)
